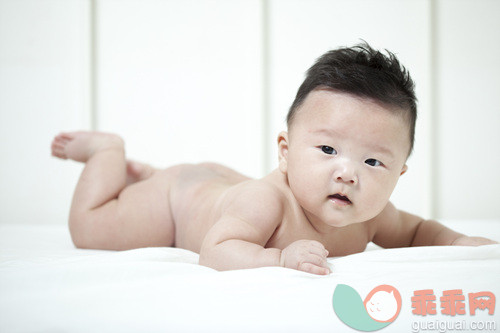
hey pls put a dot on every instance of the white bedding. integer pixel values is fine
(46, 285)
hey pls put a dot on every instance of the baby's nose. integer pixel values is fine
(346, 179)
(346, 173)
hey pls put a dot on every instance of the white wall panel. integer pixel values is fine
(181, 80)
(302, 30)
(468, 87)
(43, 89)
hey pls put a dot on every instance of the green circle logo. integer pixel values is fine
(380, 307)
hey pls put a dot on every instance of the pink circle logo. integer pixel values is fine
(383, 303)
(379, 309)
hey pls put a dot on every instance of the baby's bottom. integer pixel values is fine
(117, 204)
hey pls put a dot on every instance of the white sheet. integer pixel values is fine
(48, 286)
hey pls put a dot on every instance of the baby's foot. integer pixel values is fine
(80, 146)
(138, 171)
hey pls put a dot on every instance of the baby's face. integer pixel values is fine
(343, 157)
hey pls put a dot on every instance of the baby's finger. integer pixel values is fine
(313, 269)
(316, 244)
(317, 250)
(317, 260)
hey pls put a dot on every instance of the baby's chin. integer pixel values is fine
(344, 222)
(339, 223)
(344, 217)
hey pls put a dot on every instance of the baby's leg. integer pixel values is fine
(137, 171)
(105, 212)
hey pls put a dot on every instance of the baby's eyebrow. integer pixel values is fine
(325, 131)
(383, 150)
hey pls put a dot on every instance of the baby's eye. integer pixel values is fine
(373, 162)
(328, 150)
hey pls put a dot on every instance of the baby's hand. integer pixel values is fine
(472, 241)
(306, 255)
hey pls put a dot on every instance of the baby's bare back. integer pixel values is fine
(196, 196)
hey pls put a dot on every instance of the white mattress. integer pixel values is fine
(46, 285)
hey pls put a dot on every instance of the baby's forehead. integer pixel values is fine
(322, 102)
(342, 115)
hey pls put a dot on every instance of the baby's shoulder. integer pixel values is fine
(254, 197)
(257, 190)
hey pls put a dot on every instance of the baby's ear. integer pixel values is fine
(404, 169)
(283, 151)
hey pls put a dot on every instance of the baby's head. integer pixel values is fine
(366, 73)
(350, 131)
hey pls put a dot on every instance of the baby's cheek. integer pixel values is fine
(373, 204)
(303, 190)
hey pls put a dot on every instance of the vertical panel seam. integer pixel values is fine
(265, 74)
(433, 142)
(93, 66)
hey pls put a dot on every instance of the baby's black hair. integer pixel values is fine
(362, 71)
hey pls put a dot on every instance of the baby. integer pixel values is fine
(350, 131)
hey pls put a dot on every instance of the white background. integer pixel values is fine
(212, 80)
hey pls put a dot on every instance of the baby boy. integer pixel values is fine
(350, 131)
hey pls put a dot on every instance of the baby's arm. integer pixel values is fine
(433, 233)
(248, 221)
(395, 228)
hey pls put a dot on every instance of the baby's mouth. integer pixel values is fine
(340, 199)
